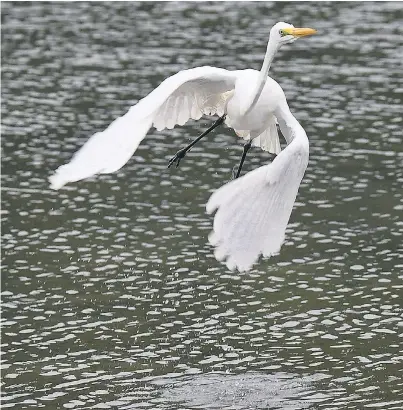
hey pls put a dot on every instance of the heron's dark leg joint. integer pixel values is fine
(182, 152)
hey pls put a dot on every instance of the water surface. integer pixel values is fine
(111, 296)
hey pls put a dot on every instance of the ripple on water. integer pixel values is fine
(111, 295)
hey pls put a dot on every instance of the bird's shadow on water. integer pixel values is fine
(251, 390)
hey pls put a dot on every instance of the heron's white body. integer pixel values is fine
(256, 119)
(259, 124)
(252, 211)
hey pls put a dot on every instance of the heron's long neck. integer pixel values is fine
(271, 50)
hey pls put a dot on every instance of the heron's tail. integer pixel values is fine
(253, 211)
(268, 140)
(105, 151)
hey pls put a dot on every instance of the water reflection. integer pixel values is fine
(109, 284)
(242, 391)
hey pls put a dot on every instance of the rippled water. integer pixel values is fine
(111, 297)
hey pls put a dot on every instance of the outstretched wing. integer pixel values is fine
(253, 211)
(187, 94)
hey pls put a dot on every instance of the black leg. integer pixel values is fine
(182, 152)
(246, 148)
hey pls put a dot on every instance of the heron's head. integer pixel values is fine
(283, 33)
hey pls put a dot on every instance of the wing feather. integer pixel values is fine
(187, 94)
(207, 85)
(268, 140)
(196, 113)
(253, 211)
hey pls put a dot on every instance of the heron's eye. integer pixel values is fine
(282, 33)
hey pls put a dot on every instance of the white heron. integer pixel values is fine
(246, 100)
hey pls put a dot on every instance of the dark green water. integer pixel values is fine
(111, 296)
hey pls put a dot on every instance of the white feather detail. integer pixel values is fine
(268, 140)
(104, 152)
(205, 91)
(253, 211)
(187, 94)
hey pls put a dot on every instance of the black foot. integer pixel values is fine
(177, 158)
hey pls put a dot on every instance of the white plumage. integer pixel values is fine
(253, 211)
(187, 94)
(241, 95)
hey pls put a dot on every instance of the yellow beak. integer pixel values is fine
(299, 32)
